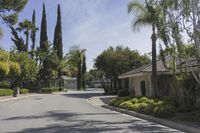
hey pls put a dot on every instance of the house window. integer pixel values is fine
(143, 88)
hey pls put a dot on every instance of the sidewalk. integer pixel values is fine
(10, 98)
(103, 101)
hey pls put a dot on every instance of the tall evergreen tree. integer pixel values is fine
(57, 43)
(18, 41)
(33, 34)
(84, 72)
(43, 32)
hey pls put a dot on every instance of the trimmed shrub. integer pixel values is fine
(118, 102)
(138, 107)
(5, 84)
(134, 100)
(125, 105)
(164, 110)
(123, 93)
(61, 89)
(6, 92)
(170, 100)
(50, 90)
(133, 107)
(24, 91)
(149, 110)
(143, 100)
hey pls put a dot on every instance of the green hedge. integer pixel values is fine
(6, 92)
(50, 90)
(61, 89)
(24, 91)
(157, 108)
(123, 93)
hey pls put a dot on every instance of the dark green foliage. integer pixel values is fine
(18, 41)
(5, 84)
(49, 69)
(186, 108)
(61, 89)
(26, 27)
(50, 90)
(164, 110)
(6, 92)
(57, 43)
(123, 93)
(43, 32)
(9, 10)
(76, 58)
(79, 76)
(24, 91)
(115, 61)
(33, 34)
(84, 72)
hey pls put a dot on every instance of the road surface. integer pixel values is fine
(69, 113)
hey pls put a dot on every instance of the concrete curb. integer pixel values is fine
(167, 123)
(17, 98)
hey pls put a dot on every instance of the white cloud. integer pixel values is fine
(97, 28)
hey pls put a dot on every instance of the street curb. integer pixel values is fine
(17, 98)
(167, 123)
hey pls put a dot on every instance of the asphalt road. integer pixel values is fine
(69, 113)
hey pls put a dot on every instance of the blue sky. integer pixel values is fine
(93, 24)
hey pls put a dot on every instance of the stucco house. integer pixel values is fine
(138, 81)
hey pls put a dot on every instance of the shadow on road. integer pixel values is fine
(83, 94)
(87, 125)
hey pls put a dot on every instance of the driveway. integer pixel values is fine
(69, 113)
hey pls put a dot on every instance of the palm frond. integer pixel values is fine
(136, 7)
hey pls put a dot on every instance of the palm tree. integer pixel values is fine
(147, 13)
(26, 26)
(77, 56)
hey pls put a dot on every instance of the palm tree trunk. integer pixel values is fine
(27, 37)
(154, 61)
(79, 76)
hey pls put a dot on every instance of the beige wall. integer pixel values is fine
(134, 83)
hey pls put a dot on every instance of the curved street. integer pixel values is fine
(69, 113)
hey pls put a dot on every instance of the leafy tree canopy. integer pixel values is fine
(115, 61)
(9, 10)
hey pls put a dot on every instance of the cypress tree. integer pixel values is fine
(79, 75)
(33, 34)
(83, 72)
(57, 43)
(43, 32)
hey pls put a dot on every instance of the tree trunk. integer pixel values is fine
(27, 37)
(79, 76)
(115, 85)
(83, 81)
(154, 61)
